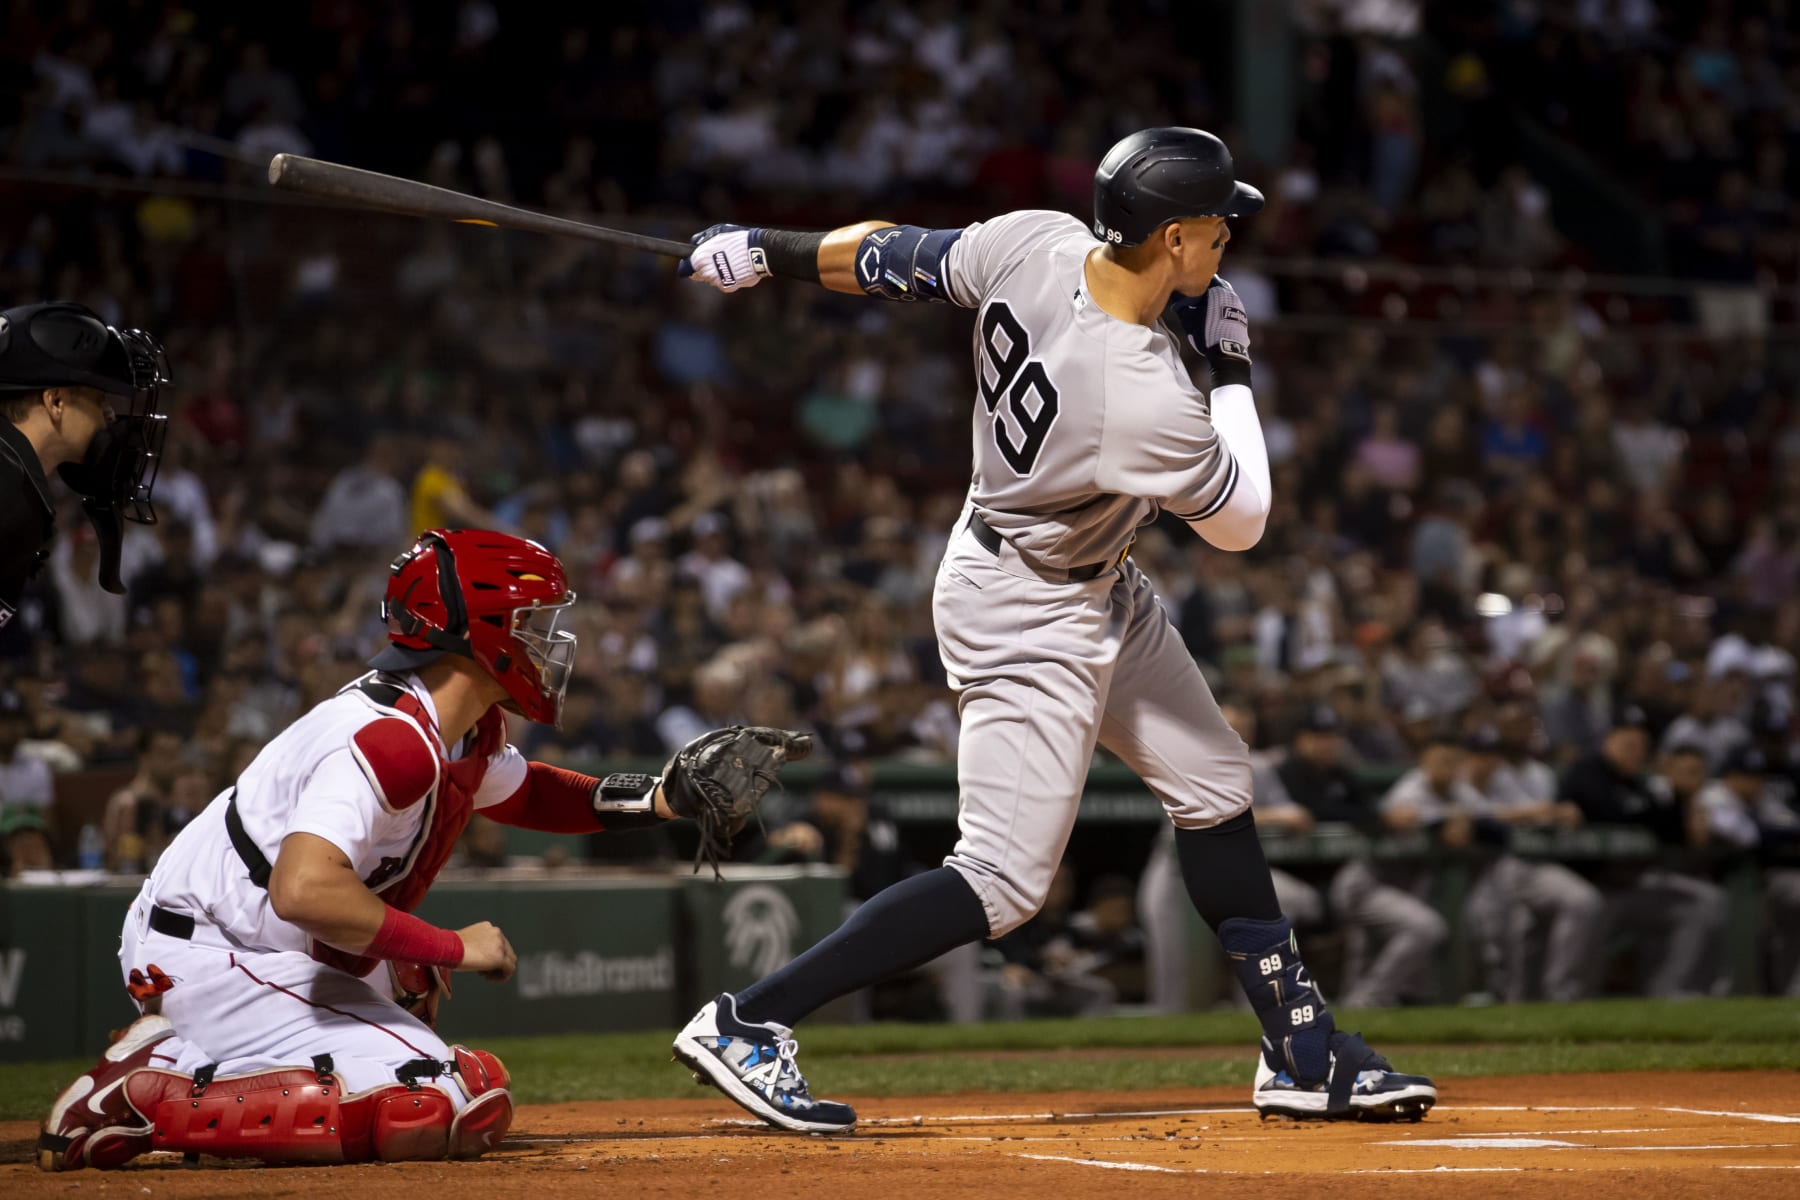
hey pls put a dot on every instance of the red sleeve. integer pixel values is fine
(551, 800)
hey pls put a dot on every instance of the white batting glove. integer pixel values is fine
(1227, 324)
(727, 256)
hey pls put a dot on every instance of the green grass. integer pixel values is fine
(876, 1060)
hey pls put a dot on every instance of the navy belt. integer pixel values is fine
(991, 541)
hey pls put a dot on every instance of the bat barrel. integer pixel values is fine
(387, 193)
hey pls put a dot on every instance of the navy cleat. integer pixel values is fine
(754, 1065)
(1360, 1085)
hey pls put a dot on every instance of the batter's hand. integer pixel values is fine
(727, 256)
(485, 949)
(1219, 327)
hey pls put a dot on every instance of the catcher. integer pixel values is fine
(288, 994)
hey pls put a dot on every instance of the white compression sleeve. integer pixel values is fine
(1239, 524)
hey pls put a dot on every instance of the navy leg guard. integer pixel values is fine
(1297, 1027)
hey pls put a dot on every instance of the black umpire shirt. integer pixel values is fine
(26, 517)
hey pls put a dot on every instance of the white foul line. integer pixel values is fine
(1041, 1116)
(1563, 1132)
(1426, 1170)
(1476, 1142)
(948, 1118)
(1732, 1146)
(1773, 1118)
(1119, 1166)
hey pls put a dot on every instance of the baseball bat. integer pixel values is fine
(388, 193)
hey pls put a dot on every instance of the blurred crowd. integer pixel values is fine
(1508, 513)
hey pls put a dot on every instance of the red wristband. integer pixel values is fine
(405, 938)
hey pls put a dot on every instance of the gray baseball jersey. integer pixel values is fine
(1084, 424)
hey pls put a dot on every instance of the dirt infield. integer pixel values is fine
(1597, 1136)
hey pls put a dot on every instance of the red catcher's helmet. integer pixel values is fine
(488, 596)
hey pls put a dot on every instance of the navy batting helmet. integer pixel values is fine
(1160, 175)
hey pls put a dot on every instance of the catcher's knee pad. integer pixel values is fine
(480, 1070)
(481, 1124)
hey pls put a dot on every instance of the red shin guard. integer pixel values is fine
(300, 1115)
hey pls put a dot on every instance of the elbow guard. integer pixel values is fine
(905, 262)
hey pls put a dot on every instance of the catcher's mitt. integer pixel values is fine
(719, 778)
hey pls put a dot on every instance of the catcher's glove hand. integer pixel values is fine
(719, 778)
(419, 989)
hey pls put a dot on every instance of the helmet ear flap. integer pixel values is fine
(410, 624)
(455, 611)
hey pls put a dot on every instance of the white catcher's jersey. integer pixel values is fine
(1085, 425)
(316, 778)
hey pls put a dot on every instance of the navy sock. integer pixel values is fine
(1226, 873)
(903, 927)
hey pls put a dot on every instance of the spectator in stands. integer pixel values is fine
(25, 782)
(87, 614)
(719, 689)
(1390, 458)
(135, 814)
(440, 497)
(870, 674)
(25, 842)
(644, 575)
(365, 506)
(721, 577)
(1713, 722)
(1428, 668)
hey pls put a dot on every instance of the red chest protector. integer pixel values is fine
(399, 755)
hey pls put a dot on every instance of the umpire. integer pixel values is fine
(60, 367)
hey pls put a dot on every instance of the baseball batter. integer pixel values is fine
(289, 995)
(1086, 426)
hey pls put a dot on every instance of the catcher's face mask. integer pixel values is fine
(550, 648)
(498, 599)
